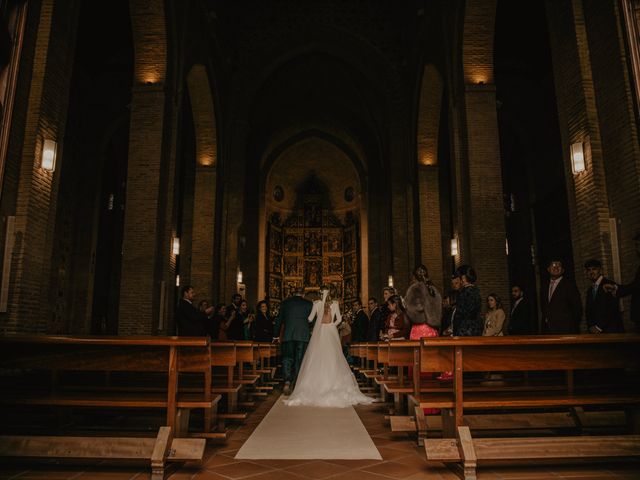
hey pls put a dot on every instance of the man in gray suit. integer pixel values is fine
(292, 326)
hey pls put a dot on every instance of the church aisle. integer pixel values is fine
(309, 433)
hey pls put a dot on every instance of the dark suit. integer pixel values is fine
(235, 330)
(602, 310)
(360, 327)
(633, 289)
(294, 318)
(376, 323)
(521, 320)
(561, 314)
(190, 321)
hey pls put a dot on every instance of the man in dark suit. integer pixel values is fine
(520, 319)
(376, 321)
(560, 302)
(632, 289)
(601, 308)
(360, 323)
(191, 322)
(292, 328)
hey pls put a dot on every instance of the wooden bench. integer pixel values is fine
(535, 353)
(470, 451)
(59, 354)
(24, 360)
(157, 452)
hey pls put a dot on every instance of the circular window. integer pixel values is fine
(278, 193)
(349, 194)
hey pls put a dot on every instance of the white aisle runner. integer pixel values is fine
(309, 433)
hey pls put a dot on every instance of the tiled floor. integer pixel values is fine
(402, 459)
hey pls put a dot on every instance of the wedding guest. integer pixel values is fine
(376, 321)
(494, 319)
(450, 310)
(466, 320)
(560, 302)
(234, 324)
(423, 305)
(601, 309)
(520, 319)
(387, 293)
(189, 320)
(632, 289)
(236, 299)
(360, 323)
(216, 321)
(397, 324)
(247, 318)
(263, 325)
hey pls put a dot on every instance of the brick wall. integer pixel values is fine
(428, 177)
(47, 59)
(614, 99)
(579, 120)
(485, 219)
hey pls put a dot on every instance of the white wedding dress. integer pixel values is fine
(325, 379)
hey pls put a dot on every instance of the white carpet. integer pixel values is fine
(309, 433)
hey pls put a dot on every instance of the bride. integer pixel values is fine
(325, 379)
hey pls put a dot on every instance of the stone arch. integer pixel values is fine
(428, 128)
(203, 229)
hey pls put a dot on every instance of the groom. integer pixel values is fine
(292, 325)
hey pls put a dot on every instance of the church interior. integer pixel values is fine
(270, 149)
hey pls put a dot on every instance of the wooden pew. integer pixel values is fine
(156, 451)
(24, 360)
(402, 355)
(470, 451)
(531, 353)
(56, 354)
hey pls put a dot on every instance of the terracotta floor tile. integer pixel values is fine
(108, 474)
(280, 463)
(317, 469)
(359, 475)
(206, 475)
(419, 462)
(353, 464)
(218, 461)
(393, 469)
(239, 470)
(277, 475)
(52, 473)
(391, 453)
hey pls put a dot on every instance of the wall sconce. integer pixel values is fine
(239, 276)
(48, 161)
(177, 280)
(454, 247)
(175, 246)
(577, 158)
(390, 282)
(506, 246)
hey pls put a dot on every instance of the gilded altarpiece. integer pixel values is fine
(312, 248)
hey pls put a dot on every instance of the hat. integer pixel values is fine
(593, 263)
